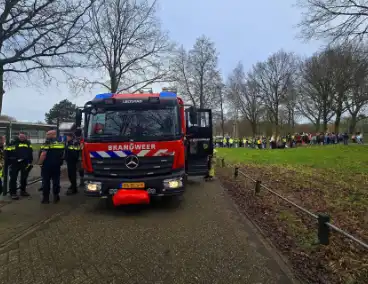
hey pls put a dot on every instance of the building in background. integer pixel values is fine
(35, 132)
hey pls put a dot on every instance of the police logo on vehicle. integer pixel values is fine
(131, 162)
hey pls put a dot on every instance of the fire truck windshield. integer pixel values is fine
(134, 124)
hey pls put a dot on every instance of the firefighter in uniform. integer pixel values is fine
(51, 160)
(19, 155)
(72, 153)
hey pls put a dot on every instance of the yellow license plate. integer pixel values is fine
(133, 185)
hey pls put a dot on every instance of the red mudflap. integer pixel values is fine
(131, 196)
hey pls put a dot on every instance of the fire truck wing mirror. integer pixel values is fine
(78, 117)
(192, 116)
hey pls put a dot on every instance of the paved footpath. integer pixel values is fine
(201, 240)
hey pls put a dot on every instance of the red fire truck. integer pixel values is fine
(139, 146)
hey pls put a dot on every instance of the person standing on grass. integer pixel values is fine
(345, 138)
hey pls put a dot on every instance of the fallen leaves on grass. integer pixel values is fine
(295, 233)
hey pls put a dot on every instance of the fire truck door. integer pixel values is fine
(199, 141)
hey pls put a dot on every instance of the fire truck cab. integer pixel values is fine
(139, 146)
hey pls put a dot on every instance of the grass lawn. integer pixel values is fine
(331, 179)
(351, 158)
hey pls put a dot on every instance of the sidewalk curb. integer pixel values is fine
(283, 262)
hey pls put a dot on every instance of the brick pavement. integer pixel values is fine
(16, 217)
(203, 240)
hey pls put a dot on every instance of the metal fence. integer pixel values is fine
(35, 132)
(323, 220)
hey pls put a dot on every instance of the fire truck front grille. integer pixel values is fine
(148, 166)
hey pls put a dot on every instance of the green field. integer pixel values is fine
(351, 158)
(330, 179)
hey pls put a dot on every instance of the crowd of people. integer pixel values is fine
(289, 141)
(18, 156)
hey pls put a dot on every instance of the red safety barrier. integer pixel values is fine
(130, 197)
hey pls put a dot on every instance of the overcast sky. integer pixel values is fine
(243, 30)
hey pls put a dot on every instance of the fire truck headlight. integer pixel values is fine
(173, 183)
(93, 186)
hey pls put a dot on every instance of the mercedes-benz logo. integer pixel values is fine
(131, 162)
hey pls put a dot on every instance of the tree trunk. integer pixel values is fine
(222, 116)
(253, 125)
(2, 91)
(353, 123)
(223, 125)
(113, 83)
(325, 122)
(337, 121)
(318, 126)
(277, 125)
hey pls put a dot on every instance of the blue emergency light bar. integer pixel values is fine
(167, 95)
(104, 96)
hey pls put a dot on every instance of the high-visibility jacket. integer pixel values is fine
(54, 153)
(19, 150)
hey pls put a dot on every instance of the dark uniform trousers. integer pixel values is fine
(73, 167)
(81, 173)
(43, 148)
(48, 174)
(2, 163)
(72, 174)
(14, 171)
(72, 153)
(20, 157)
(51, 168)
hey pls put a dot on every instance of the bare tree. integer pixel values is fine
(219, 110)
(291, 100)
(357, 98)
(127, 45)
(308, 107)
(244, 96)
(272, 79)
(39, 36)
(316, 90)
(196, 73)
(335, 19)
(341, 61)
